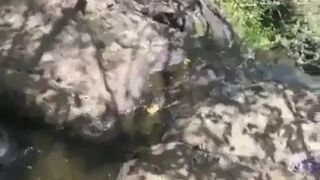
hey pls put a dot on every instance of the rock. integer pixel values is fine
(311, 69)
(255, 133)
(169, 161)
(80, 64)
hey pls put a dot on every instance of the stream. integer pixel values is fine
(30, 150)
(39, 153)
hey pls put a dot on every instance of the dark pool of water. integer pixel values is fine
(44, 153)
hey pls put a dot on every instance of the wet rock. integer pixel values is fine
(13, 156)
(79, 64)
(7, 150)
(277, 66)
(171, 161)
(258, 138)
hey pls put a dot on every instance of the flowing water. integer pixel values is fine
(33, 151)
(43, 153)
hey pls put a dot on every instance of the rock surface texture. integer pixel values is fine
(82, 63)
(263, 132)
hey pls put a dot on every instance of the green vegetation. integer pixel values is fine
(246, 18)
(266, 24)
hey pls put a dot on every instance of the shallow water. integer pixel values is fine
(45, 153)
(52, 154)
(57, 156)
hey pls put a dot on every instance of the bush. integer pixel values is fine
(274, 23)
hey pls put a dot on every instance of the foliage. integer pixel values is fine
(246, 17)
(274, 23)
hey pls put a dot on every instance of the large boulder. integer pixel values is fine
(82, 63)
